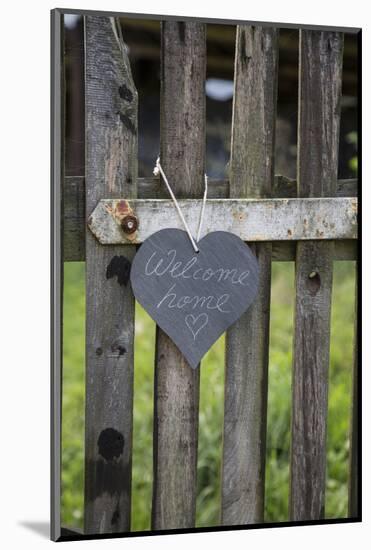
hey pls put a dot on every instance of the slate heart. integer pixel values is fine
(194, 297)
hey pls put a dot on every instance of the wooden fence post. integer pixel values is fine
(183, 55)
(320, 67)
(247, 342)
(111, 171)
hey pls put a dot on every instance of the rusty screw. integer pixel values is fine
(129, 224)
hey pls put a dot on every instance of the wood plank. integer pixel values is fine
(111, 170)
(285, 251)
(247, 341)
(320, 63)
(153, 188)
(74, 219)
(183, 70)
(353, 496)
(250, 219)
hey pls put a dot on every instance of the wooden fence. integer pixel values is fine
(311, 221)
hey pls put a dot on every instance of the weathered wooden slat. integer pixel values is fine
(320, 62)
(287, 188)
(183, 67)
(251, 219)
(74, 219)
(285, 251)
(354, 426)
(247, 341)
(111, 170)
(152, 188)
(347, 188)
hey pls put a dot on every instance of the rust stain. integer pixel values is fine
(239, 216)
(109, 209)
(132, 238)
(120, 210)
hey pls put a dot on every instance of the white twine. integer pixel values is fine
(202, 211)
(158, 170)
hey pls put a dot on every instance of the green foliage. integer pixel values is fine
(73, 396)
(143, 421)
(342, 322)
(279, 393)
(211, 405)
(352, 138)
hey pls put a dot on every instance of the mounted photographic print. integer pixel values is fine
(204, 274)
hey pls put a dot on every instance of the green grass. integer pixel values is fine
(211, 405)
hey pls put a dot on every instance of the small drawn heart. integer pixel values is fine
(195, 323)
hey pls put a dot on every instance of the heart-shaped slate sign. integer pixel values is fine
(194, 297)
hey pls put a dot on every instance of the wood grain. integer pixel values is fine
(246, 375)
(285, 251)
(320, 63)
(152, 188)
(111, 170)
(183, 69)
(74, 219)
(251, 220)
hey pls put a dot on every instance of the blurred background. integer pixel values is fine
(143, 40)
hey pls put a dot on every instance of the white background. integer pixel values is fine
(24, 286)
